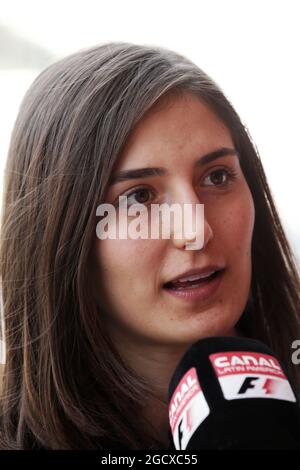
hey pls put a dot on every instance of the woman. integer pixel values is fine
(93, 330)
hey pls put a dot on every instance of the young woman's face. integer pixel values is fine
(132, 272)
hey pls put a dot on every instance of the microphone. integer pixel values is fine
(232, 393)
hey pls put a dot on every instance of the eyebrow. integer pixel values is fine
(125, 175)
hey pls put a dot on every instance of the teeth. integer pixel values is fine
(194, 277)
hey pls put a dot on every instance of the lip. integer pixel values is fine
(202, 271)
(201, 293)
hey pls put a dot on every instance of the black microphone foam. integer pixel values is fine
(232, 393)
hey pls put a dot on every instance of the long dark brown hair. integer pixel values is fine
(64, 384)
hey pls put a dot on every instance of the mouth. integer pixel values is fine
(196, 289)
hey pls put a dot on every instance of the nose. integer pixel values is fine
(189, 238)
(183, 238)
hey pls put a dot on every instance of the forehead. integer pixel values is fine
(182, 125)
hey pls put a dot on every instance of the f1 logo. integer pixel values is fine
(185, 427)
(180, 434)
(269, 385)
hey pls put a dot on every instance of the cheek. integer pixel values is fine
(233, 229)
(233, 225)
(242, 223)
(123, 262)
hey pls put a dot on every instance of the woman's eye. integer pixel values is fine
(221, 177)
(138, 196)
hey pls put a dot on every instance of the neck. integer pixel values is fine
(158, 369)
(156, 364)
